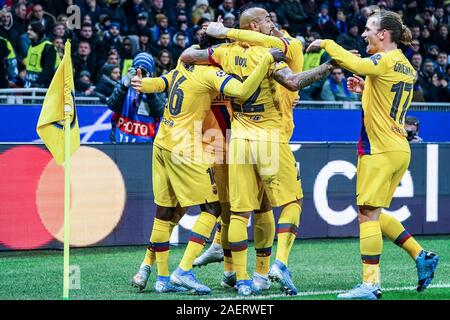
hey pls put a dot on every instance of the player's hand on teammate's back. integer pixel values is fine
(136, 82)
(217, 30)
(277, 55)
(355, 52)
(355, 84)
(314, 46)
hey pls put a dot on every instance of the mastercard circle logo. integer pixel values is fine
(32, 197)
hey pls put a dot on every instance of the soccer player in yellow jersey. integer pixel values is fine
(269, 36)
(383, 149)
(259, 150)
(181, 174)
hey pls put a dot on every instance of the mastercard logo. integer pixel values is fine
(32, 197)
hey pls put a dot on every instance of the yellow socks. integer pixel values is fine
(371, 245)
(160, 243)
(227, 258)
(150, 256)
(238, 238)
(217, 235)
(264, 233)
(394, 230)
(201, 231)
(287, 230)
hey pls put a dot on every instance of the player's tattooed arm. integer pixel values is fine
(298, 81)
(194, 55)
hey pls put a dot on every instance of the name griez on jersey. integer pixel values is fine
(401, 68)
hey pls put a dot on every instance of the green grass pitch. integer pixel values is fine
(320, 269)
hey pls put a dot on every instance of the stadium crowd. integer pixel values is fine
(113, 32)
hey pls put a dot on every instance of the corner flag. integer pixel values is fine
(60, 95)
(58, 128)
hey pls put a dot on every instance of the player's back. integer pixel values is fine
(260, 112)
(386, 98)
(189, 100)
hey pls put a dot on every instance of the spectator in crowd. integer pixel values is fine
(84, 86)
(442, 39)
(296, 16)
(156, 7)
(59, 44)
(416, 61)
(414, 48)
(352, 40)
(20, 18)
(8, 64)
(132, 8)
(142, 24)
(415, 32)
(92, 9)
(412, 128)
(341, 22)
(7, 30)
(427, 72)
(59, 30)
(87, 34)
(433, 52)
(335, 88)
(128, 52)
(202, 10)
(164, 62)
(41, 60)
(162, 26)
(425, 40)
(418, 94)
(136, 116)
(83, 60)
(108, 81)
(111, 39)
(179, 45)
(277, 10)
(437, 89)
(227, 7)
(144, 41)
(115, 13)
(38, 14)
(183, 27)
(441, 63)
(229, 20)
(164, 43)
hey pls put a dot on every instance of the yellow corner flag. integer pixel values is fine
(60, 96)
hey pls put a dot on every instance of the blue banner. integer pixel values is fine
(18, 124)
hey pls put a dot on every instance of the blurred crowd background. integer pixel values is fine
(32, 37)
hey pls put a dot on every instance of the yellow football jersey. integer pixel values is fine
(386, 97)
(259, 117)
(191, 90)
(293, 49)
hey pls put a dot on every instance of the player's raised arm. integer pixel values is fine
(194, 55)
(372, 66)
(297, 81)
(243, 90)
(151, 85)
(218, 30)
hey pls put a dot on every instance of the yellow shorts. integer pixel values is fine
(221, 176)
(175, 181)
(258, 166)
(378, 175)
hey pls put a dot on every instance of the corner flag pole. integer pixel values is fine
(67, 110)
